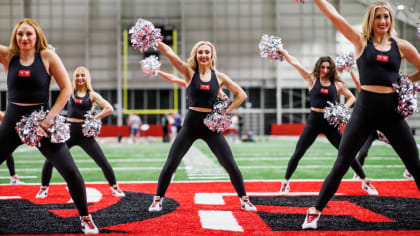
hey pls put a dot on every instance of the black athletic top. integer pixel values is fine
(202, 94)
(77, 107)
(28, 84)
(319, 94)
(377, 67)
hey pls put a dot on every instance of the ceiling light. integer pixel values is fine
(400, 7)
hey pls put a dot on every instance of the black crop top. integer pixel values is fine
(202, 94)
(377, 67)
(77, 107)
(28, 84)
(319, 94)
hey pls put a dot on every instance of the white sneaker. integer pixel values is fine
(407, 175)
(285, 188)
(368, 187)
(355, 177)
(311, 219)
(157, 204)
(43, 192)
(15, 180)
(116, 191)
(246, 204)
(88, 227)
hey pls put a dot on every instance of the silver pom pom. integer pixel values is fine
(144, 35)
(91, 127)
(301, 1)
(407, 93)
(150, 65)
(59, 131)
(336, 114)
(345, 61)
(217, 120)
(269, 47)
(31, 133)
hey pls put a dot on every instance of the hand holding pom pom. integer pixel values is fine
(30, 131)
(91, 127)
(271, 47)
(217, 120)
(144, 35)
(336, 115)
(150, 65)
(407, 93)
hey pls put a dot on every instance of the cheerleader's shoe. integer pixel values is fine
(246, 204)
(368, 187)
(42, 193)
(407, 175)
(88, 227)
(311, 219)
(117, 192)
(285, 188)
(157, 204)
(15, 180)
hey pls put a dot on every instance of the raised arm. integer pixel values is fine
(1, 115)
(354, 36)
(58, 71)
(172, 78)
(240, 95)
(350, 99)
(104, 104)
(296, 64)
(356, 81)
(179, 64)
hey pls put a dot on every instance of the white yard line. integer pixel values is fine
(198, 165)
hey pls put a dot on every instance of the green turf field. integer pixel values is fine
(265, 159)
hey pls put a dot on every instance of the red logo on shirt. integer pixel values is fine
(204, 87)
(324, 91)
(24, 73)
(382, 58)
(78, 101)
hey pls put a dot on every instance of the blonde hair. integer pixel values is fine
(192, 60)
(41, 40)
(88, 78)
(370, 17)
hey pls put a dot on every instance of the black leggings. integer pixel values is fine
(90, 146)
(365, 148)
(316, 125)
(57, 153)
(192, 130)
(373, 111)
(11, 165)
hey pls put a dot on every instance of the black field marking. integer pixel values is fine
(24, 217)
(404, 211)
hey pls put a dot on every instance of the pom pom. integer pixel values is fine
(59, 132)
(382, 137)
(345, 61)
(301, 1)
(217, 120)
(150, 65)
(91, 127)
(269, 47)
(31, 133)
(407, 94)
(336, 114)
(144, 35)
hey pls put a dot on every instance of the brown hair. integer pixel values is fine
(41, 40)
